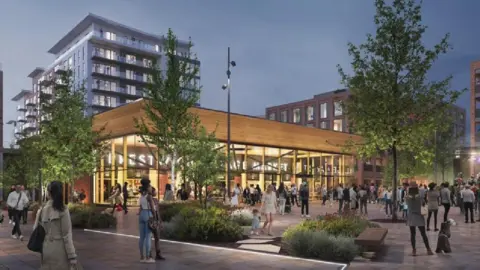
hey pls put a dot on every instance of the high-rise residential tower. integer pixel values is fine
(111, 60)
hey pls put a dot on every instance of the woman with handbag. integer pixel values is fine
(145, 216)
(57, 250)
(116, 197)
(416, 217)
(268, 208)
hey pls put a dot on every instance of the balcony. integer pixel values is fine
(120, 75)
(60, 69)
(29, 126)
(31, 114)
(123, 60)
(45, 118)
(30, 102)
(21, 108)
(18, 130)
(47, 91)
(21, 119)
(125, 42)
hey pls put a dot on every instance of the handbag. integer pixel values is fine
(35, 243)
(424, 211)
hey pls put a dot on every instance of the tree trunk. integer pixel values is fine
(196, 191)
(395, 176)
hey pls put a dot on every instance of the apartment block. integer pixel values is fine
(109, 59)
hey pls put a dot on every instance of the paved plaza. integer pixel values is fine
(117, 249)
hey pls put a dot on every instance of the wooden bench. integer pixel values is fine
(372, 239)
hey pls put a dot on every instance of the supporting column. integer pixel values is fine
(262, 174)
(102, 180)
(114, 157)
(279, 169)
(125, 159)
(244, 167)
(226, 170)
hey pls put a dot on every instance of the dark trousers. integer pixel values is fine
(125, 199)
(25, 215)
(324, 199)
(340, 205)
(435, 214)
(294, 200)
(468, 207)
(252, 199)
(447, 209)
(10, 214)
(305, 207)
(413, 234)
(156, 238)
(16, 214)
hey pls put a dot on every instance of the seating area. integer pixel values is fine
(372, 239)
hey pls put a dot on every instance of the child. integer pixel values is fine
(255, 222)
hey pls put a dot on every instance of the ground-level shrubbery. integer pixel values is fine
(329, 238)
(89, 217)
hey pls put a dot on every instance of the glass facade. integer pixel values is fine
(129, 158)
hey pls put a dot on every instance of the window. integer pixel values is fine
(110, 36)
(84, 70)
(147, 62)
(70, 62)
(338, 110)
(130, 74)
(338, 124)
(271, 116)
(324, 125)
(104, 101)
(323, 110)
(131, 90)
(310, 113)
(83, 53)
(296, 115)
(284, 116)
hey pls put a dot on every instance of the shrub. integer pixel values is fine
(242, 217)
(85, 216)
(169, 209)
(320, 245)
(211, 225)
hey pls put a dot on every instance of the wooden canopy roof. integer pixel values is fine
(244, 129)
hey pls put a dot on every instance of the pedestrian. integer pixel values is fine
(268, 208)
(388, 202)
(363, 197)
(125, 197)
(324, 194)
(415, 218)
(58, 251)
(168, 195)
(433, 200)
(24, 214)
(468, 199)
(9, 209)
(116, 197)
(17, 201)
(340, 198)
(236, 192)
(146, 213)
(183, 194)
(282, 198)
(446, 200)
(155, 225)
(304, 199)
(295, 195)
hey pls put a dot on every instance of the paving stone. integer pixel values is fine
(254, 241)
(262, 247)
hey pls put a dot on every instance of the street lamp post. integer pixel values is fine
(228, 87)
(435, 166)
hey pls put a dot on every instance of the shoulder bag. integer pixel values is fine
(35, 243)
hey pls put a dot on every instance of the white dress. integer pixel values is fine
(268, 201)
(234, 200)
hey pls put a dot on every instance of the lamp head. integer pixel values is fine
(224, 87)
(233, 63)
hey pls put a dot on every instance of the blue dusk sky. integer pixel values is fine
(285, 50)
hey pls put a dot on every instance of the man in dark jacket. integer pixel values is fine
(304, 196)
(125, 197)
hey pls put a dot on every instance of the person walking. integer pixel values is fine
(168, 196)
(155, 225)
(304, 199)
(146, 213)
(324, 194)
(58, 251)
(433, 200)
(363, 197)
(445, 200)
(24, 214)
(125, 197)
(388, 202)
(282, 198)
(236, 192)
(9, 209)
(340, 198)
(415, 218)
(17, 201)
(468, 199)
(268, 208)
(295, 195)
(116, 197)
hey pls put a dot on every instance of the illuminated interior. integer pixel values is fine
(129, 158)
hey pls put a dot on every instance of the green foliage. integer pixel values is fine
(203, 225)
(88, 217)
(320, 245)
(169, 96)
(205, 161)
(350, 226)
(23, 165)
(391, 69)
(70, 148)
(242, 217)
(408, 167)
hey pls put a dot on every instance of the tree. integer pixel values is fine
(392, 104)
(70, 147)
(445, 146)
(169, 96)
(205, 162)
(408, 167)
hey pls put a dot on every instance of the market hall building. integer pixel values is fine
(263, 152)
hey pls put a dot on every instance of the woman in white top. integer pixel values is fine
(146, 212)
(268, 208)
(236, 192)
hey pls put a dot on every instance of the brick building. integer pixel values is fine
(324, 111)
